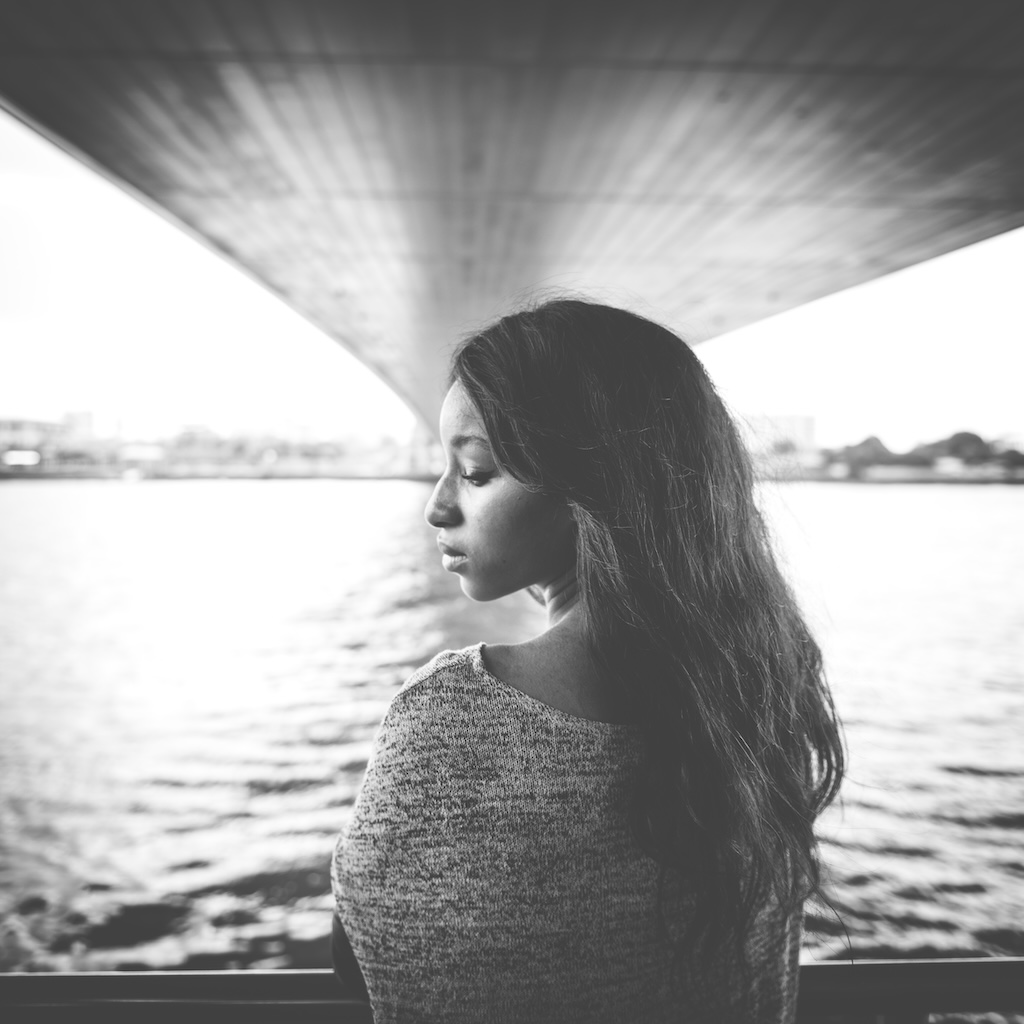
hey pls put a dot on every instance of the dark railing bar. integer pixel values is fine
(913, 988)
(861, 992)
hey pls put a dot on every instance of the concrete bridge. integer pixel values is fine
(400, 171)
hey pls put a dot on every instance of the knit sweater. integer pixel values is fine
(488, 873)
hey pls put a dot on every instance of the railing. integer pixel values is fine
(907, 991)
(862, 992)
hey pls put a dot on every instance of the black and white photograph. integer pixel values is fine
(512, 513)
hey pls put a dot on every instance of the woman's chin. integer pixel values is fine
(473, 592)
(477, 591)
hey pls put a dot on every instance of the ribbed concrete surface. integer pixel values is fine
(398, 171)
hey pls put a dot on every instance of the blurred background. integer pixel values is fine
(216, 443)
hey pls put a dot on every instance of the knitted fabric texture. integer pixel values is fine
(488, 873)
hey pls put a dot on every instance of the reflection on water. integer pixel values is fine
(191, 673)
(918, 598)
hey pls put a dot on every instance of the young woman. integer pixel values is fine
(612, 821)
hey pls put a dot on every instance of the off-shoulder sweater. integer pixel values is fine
(488, 873)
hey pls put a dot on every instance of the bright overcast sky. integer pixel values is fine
(106, 307)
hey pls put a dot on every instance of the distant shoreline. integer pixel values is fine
(888, 481)
(127, 476)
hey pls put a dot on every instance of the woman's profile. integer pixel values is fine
(612, 821)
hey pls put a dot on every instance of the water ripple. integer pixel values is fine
(190, 686)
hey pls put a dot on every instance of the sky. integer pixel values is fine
(911, 357)
(106, 307)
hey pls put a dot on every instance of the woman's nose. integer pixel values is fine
(441, 509)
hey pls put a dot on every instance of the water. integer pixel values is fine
(191, 673)
(917, 594)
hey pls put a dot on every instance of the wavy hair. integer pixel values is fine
(684, 605)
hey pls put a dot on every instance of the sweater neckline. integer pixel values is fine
(476, 658)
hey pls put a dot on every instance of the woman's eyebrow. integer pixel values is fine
(461, 440)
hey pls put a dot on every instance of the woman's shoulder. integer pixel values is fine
(426, 729)
(474, 686)
(438, 700)
(450, 674)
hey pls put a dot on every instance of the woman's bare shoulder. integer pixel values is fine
(555, 669)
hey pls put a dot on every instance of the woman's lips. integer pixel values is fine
(451, 558)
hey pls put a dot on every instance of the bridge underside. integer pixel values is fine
(400, 171)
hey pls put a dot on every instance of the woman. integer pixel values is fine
(612, 821)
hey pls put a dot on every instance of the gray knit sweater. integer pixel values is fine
(488, 873)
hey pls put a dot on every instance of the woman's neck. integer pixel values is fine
(561, 598)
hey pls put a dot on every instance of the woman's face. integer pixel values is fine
(498, 536)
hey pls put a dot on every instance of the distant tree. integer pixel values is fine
(962, 445)
(913, 458)
(869, 452)
(969, 447)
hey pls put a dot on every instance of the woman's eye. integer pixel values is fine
(478, 478)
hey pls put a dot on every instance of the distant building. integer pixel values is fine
(951, 467)
(30, 434)
(782, 447)
(20, 458)
(79, 426)
(886, 473)
(779, 433)
(141, 454)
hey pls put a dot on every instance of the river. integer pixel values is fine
(191, 673)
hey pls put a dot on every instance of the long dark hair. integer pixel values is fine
(685, 607)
